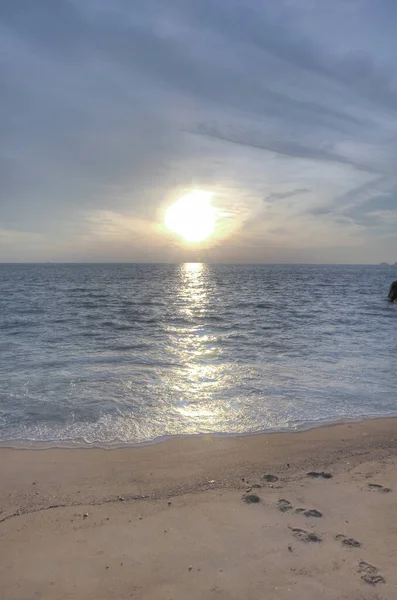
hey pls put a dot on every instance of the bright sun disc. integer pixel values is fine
(192, 216)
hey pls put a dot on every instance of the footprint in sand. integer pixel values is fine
(251, 499)
(305, 536)
(270, 478)
(349, 542)
(309, 512)
(319, 474)
(379, 488)
(370, 573)
(284, 505)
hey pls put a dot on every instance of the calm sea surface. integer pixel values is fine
(116, 354)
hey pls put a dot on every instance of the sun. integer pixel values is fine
(192, 217)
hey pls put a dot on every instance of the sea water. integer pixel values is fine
(129, 353)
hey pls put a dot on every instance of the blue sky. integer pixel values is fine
(112, 109)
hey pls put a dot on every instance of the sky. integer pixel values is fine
(110, 110)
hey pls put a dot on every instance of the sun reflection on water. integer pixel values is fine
(200, 376)
(193, 289)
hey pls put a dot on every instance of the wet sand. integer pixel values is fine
(195, 518)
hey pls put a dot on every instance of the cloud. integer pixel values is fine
(111, 107)
(283, 147)
(283, 195)
(387, 216)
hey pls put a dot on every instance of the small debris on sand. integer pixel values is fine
(251, 499)
(305, 536)
(121, 498)
(290, 548)
(284, 505)
(317, 474)
(169, 503)
(256, 486)
(190, 568)
(85, 515)
(270, 478)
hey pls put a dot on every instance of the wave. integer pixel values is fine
(154, 353)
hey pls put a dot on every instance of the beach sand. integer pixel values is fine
(170, 521)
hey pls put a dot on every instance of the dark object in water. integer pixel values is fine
(393, 292)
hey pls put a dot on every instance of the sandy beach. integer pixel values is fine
(195, 518)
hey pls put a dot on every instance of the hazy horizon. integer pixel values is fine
(285, 111)
(184, 262)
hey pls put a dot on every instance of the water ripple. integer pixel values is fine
(129, 353)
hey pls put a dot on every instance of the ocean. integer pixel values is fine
(130, 353)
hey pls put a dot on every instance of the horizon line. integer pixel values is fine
(55, 262)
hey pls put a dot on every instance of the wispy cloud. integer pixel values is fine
(283, 195)
(114, 108)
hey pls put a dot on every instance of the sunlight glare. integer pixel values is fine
(192, 216)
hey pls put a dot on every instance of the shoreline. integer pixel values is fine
(170, 521)
(81, 444)
(184, 463)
